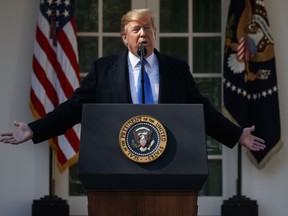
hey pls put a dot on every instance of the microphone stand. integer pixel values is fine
(142, 53)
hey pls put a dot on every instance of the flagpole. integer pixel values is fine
(238, 204)
(239, 177)
(51, 181)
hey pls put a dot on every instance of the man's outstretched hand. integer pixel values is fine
(21, 134)
(250, 141)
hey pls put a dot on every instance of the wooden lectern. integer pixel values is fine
(167, 186)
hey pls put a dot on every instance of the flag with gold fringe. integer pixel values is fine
(56, 72)
(249, 77)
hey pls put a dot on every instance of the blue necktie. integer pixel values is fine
(147, 87)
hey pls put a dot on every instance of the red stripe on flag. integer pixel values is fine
(60, 156)
(68, 49)
(48, 87)
(73, 139)
(37, 104)
(44, 44)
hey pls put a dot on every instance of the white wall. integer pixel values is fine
(24, 168)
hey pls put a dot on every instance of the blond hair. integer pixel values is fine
(135, 15)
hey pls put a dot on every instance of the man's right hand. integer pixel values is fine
(22, 133)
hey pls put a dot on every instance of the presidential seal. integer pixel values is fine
(142, 139)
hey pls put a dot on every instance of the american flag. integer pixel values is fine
(55, 72)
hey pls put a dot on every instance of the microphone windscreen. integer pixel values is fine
(142, 50)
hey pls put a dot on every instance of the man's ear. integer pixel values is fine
(123, 36)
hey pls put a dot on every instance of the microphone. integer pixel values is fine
(142, 51)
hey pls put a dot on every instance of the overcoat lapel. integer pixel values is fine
(165, 79)
(119, 76)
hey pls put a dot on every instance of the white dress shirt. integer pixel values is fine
(152, 70)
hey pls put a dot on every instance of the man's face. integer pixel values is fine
(137, 32)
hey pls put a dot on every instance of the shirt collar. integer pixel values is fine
(135, 59)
